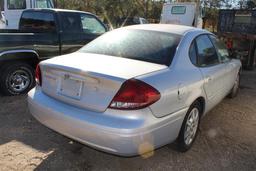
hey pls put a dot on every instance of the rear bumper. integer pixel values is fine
(117, 132)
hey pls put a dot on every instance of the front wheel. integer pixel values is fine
(235, 89)
(16, 78)
(189, 128)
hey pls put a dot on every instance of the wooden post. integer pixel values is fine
(251, 60)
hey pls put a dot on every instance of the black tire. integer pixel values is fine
(23, 73)
(234, 91)
(182, 146)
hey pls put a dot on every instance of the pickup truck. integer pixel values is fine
(42, 34)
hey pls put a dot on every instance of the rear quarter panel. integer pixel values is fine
(180, 85)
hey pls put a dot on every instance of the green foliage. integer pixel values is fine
(111, 10)
(250, 4)
(211, 17)
(247, 4)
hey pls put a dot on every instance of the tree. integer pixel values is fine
(111, 10)
(211, 17)
(250, 4)
(247, 4)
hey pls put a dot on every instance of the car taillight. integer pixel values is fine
(134, 94)
(38, 75)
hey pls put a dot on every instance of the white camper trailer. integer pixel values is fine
(187, 13)
(11, 10)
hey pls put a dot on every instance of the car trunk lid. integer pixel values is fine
(90, 81)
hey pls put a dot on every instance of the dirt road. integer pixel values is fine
(227, 141)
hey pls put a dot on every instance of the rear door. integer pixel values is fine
(78, 29)
(13, 10)
(212, 70)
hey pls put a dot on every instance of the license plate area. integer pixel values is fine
(70, 87)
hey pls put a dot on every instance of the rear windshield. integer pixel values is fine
(37, 22)
(149, 46)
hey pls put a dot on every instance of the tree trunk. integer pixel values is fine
(204, 23)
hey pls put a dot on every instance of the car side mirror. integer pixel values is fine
(108, 27)
(233, 55)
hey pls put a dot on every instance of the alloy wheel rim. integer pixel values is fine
(191, 126)
(19, 81)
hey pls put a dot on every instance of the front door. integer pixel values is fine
(230, 66)
(78, 29)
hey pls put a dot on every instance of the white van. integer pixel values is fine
(11, 10)
(187, 13)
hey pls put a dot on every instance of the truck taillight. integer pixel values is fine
(134, 94)
(38, 75)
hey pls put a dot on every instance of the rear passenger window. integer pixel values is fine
(206, 52)
(37, 22)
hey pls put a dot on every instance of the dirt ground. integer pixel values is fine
(227, 141)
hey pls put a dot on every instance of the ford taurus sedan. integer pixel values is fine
(135, 89)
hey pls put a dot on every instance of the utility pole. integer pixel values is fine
(198, 4)
(56, 4)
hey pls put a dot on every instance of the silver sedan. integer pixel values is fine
(135, 89)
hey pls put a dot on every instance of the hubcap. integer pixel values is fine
(191, 126)
(19, 81)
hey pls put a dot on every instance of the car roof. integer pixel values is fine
(167, 28)
(56, 10)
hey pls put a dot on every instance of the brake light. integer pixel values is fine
(134, 94)
(38, 75)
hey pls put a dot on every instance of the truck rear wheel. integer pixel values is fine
(16, 78)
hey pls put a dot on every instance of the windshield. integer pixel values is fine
(150, 46)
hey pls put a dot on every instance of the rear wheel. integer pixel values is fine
(16, 78)
(189, 127)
